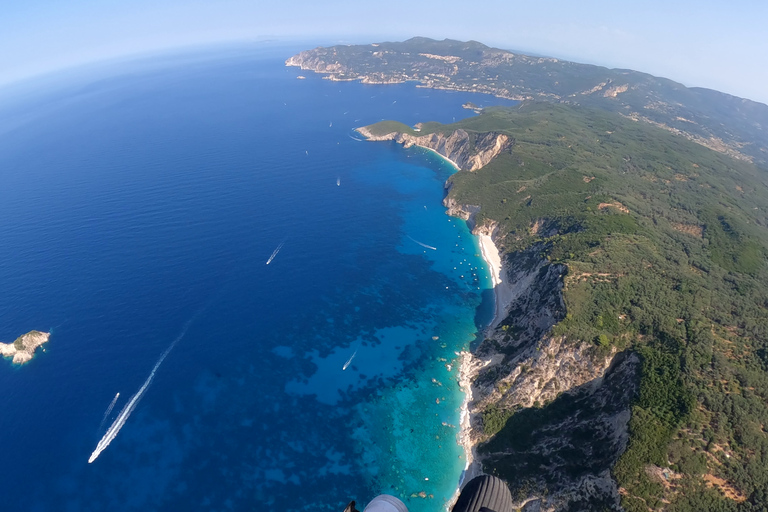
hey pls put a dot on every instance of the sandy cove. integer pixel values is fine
(503, 291)
(454, 164)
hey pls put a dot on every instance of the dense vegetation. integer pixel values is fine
(665, 243)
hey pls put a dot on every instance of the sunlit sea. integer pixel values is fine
(139, 203)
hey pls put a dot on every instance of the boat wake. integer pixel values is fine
(126, 411)
(354, 138)
(349, 361)
(274, 253)
(109, 410)
(423, 245)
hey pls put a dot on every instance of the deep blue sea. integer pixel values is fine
(139, 204)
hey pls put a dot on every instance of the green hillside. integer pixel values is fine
(665, 243)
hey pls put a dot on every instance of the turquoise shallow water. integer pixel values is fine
(142, 197)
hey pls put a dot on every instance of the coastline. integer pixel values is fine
(393, 136)
(472, 466)
(454, 164)
(502, 291)
(470, 365)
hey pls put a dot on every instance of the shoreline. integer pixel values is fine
(502, 291)
(453, 164)
(469, 364)
(362, 130)
(23, 349)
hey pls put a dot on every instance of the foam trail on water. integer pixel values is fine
(109, 410)
(349, 361)
(274, 253)
(126, 411)
(423, 245)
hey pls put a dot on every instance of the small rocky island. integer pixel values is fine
(24, 347)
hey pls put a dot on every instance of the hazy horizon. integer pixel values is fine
(697, 44)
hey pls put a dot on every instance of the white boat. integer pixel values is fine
(349, 361)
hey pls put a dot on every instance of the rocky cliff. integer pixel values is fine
(550, 410)
(24, 347)
(468, 151)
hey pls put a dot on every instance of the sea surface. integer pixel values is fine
(139, 204)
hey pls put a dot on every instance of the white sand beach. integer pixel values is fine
(502, 290)
(470, 365)
(454, 164)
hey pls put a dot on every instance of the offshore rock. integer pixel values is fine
(24, 347)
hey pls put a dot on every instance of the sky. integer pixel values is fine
(719, 45)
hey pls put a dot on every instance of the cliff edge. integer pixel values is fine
(467, 150)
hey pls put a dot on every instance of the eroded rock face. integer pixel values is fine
(463, 211)
(469, 152)
(571, 401)
(562, 453)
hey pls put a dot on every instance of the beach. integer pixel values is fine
(502, 290)
(454, 164)
(469, 364)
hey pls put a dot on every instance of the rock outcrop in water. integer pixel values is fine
(469, 151)
(24, 347)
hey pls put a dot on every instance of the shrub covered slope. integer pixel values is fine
(665, 243)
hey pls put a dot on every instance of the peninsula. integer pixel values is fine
(23, 348)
